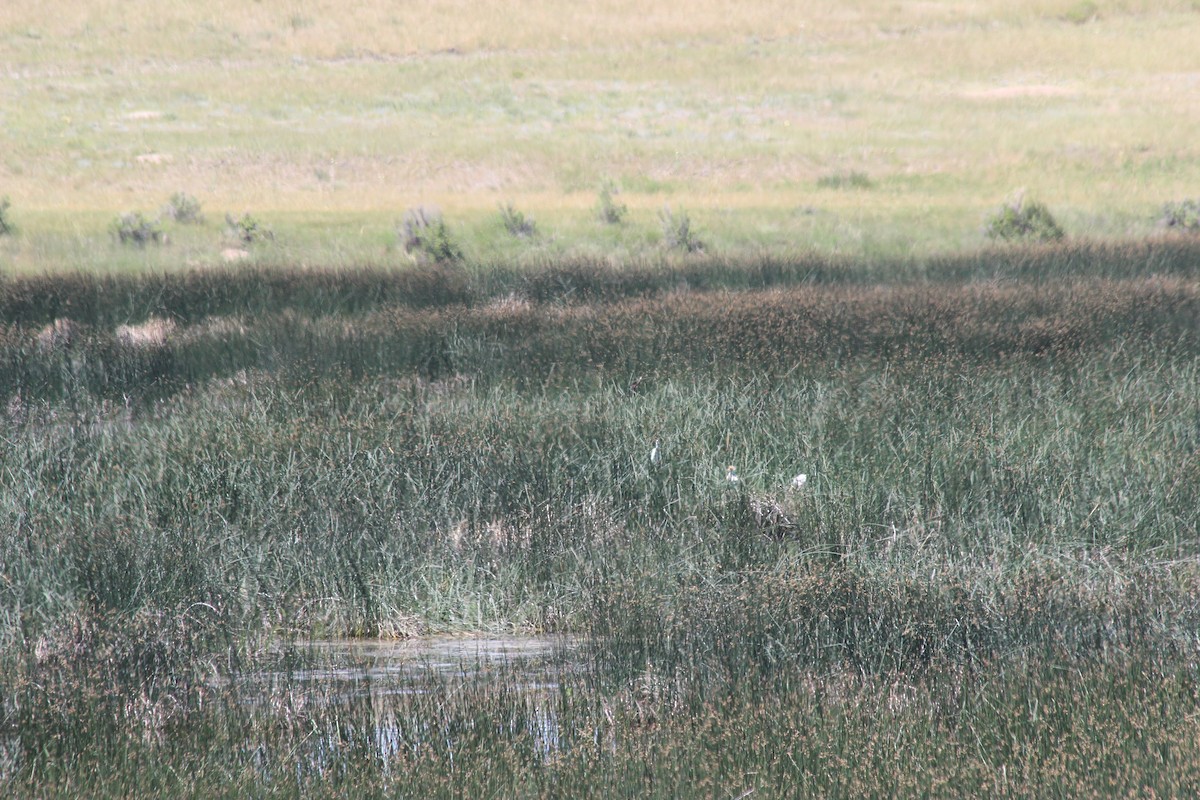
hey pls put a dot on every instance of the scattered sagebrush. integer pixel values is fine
(247, 229)
(7, 226)
(424, 235)
(136, 229)
(1020, 220)
(678, 233)
(516, 222)
(1181, 216)
(608, 210)
(183, 209)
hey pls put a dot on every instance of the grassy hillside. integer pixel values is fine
(842, 127)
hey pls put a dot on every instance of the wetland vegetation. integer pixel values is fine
(988, 582)
(770, 461)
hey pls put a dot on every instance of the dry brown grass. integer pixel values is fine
(151, 333)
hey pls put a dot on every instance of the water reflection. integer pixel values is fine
(376, 688)
(533, 660)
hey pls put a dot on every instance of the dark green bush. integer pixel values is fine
(1022, 221)
(425, 236)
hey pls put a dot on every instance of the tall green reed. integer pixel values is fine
(1002, 484)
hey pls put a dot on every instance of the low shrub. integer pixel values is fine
(7, 228)
(135, 228)
(425, 236)
(516, 222)
(1022, 221)
(845, 180)
(678, 233)
(608, 210)
(1184, 216)
(247, 229)
(184, 209)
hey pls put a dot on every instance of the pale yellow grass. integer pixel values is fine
(132, 29)
(154, 332)
(332, 29)
(282, 108)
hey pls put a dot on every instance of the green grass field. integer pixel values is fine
(986, 585)
(329, 123)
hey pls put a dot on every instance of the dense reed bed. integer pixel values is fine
(752, 334)
(988, 582)
(187, 296)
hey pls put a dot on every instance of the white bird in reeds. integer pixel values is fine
(731, 474)
(656, 454)
(799, 481)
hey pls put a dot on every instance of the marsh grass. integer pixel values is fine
(990, 573)
(379, 323)
(986, 587)
(1013, 729)
(189, 295)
